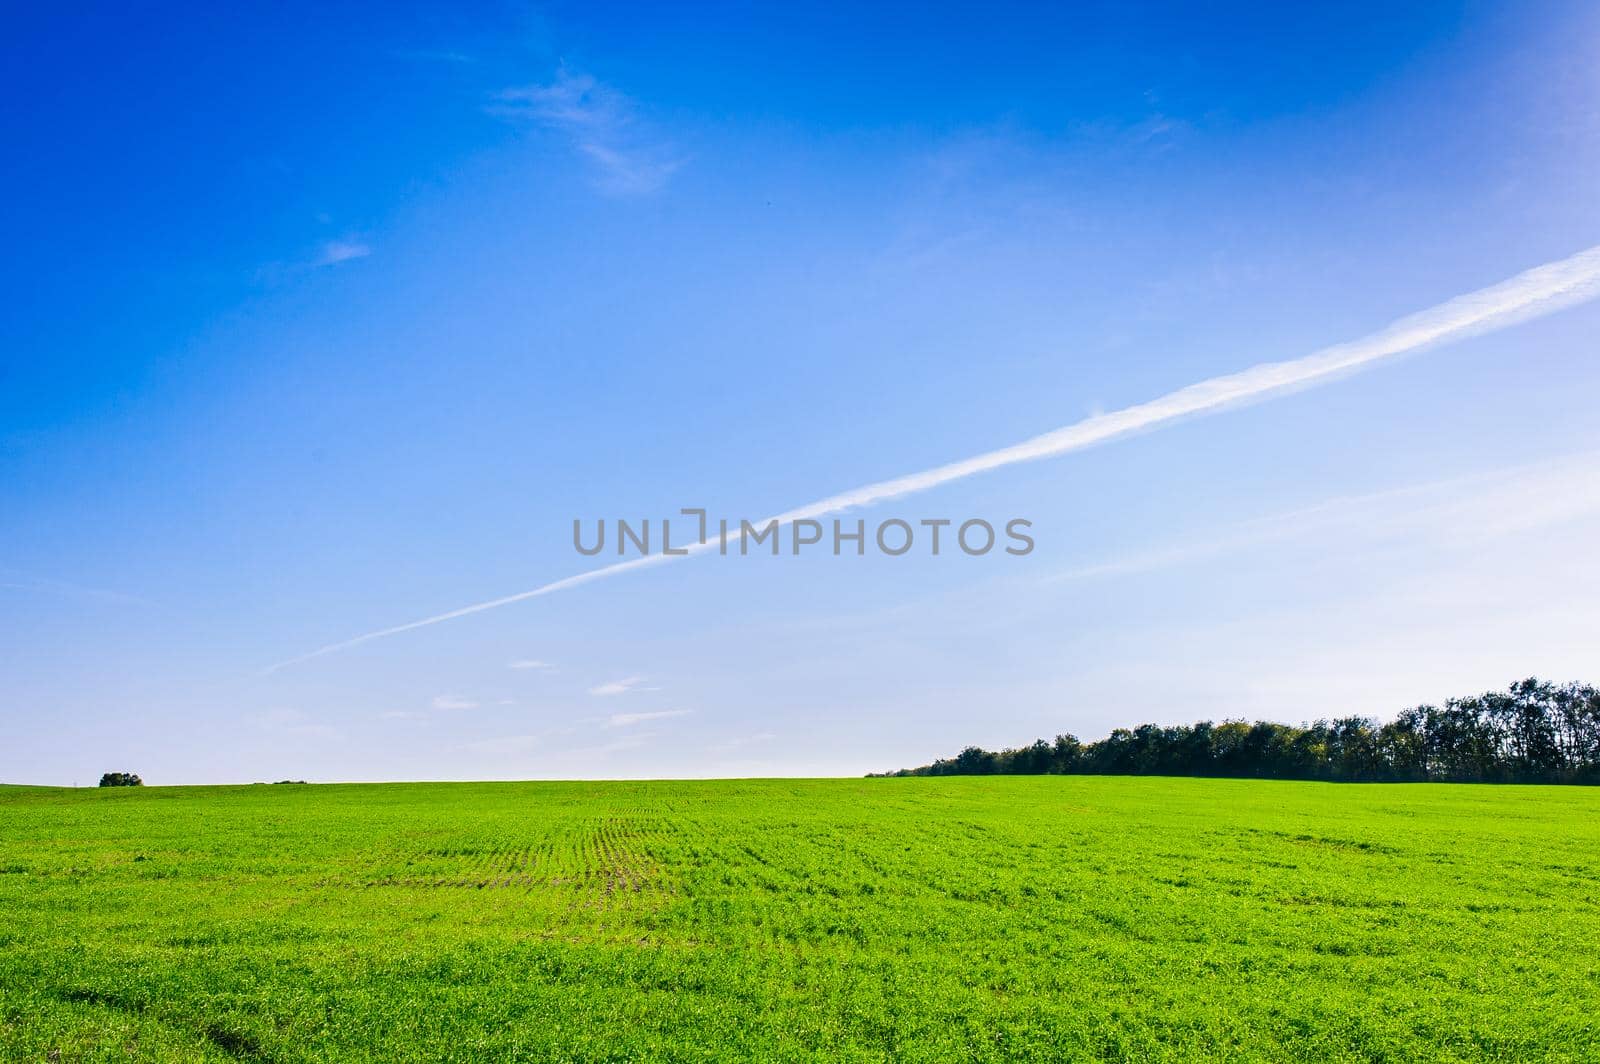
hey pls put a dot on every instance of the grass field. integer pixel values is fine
(1027, 918)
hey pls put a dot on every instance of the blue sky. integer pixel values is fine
(323, 322)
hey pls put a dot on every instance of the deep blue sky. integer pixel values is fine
(321, 321)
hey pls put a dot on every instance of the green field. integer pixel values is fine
(1017, 918)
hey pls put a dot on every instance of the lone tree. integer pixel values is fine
(121, 779)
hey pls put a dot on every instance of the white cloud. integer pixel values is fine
(453, 702)
(619, 687)
(626, 720)
(294, 722)
(504, 745)
(336, 251)
(20, 581)
(530, 663)
(632, 741)
(740, 742)
(603, 126)
(425, 55)
(1533, 293)
(1460, 511)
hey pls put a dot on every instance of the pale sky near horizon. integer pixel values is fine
(321, 324)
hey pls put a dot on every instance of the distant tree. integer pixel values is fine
(1065, 754)
(1532, 732)
(974, 761)
(121, 779)
(1403, 745)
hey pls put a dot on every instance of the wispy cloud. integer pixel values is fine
(19, 581)
(630, 741)
(453, 702)
(505, 745)
(619, 687)
(296, 723)
(627, 720)
(601, 124)
(427, 55)
(327, 254)
(530, 663)
(1531, 294)
(738, 743)
(334, 252)
(548, 744)
(1459, 511)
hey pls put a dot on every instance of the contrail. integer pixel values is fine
(1531, 294)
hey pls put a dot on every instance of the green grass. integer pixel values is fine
(1019, 918)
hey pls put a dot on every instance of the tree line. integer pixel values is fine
(1533, 732)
